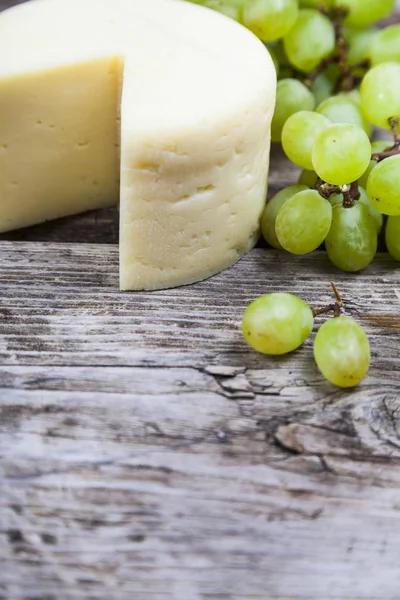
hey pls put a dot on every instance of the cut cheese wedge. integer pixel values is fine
(161, 105)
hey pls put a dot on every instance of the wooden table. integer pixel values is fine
(148, 454)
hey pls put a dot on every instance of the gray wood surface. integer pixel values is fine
(146, 453)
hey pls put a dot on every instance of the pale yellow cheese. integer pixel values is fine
(198, 93)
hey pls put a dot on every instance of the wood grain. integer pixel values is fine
(146, 453)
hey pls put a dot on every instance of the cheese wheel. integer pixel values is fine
(161, 105)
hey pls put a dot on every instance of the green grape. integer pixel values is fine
(271, 210)
(277, 323)
(380, 145)
(291, 97)
(341, 153)
(359, 42)
(342, 109)
(352, 239)
(380, 94)
(280, 53)
(365, 12)
(270, 19)
(383, 186)
(325, 83)
(335, 199)
(332, 72)
(392, 236)
(310, 40)
(308, 178)
(377, 146)
(298, 136)
(226, 7)
(385, 47)
(303, 222)
(363, 180)
(342, 351)
(375, 214)
(322, 88)
(274, 60)
(353, 95)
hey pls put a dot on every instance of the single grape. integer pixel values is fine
(377, 146)
(322, 88)
(342, 351)
(375, 214)
(365, 12)
(352, 240)
(392, 236)
(385, 47)
(363, 180)
(277, 323)
(353, 95)
(303, 222)
(226, 7)
(271, 210)
(359, 42)
(335, 199)
(291, 97)
(310, 40)
(383, 186)
(298, 136)
(342, 109)
(332, 72)
(270, 19)
(380, 94)
(341, 153)
(325, 83)
(380, 145)
(280, 53)
(308, 178)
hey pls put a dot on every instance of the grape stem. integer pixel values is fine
(349, 75)
(350, 194)
(336, 308)
(378, 156)
(391, 150)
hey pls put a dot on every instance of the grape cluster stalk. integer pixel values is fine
(337, 117)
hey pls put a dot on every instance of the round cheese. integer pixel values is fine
(161, 105)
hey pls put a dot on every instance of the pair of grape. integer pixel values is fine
(279, 323)
(297, 219)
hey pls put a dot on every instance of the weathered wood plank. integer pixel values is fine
(148, 453)
(170, 495)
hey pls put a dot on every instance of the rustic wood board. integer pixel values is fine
(147, 454)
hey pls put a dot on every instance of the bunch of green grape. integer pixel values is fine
(338, 79)
(279, 323)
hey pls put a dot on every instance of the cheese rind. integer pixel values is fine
(198, 93)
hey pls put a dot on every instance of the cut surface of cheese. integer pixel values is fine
(161, 104)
